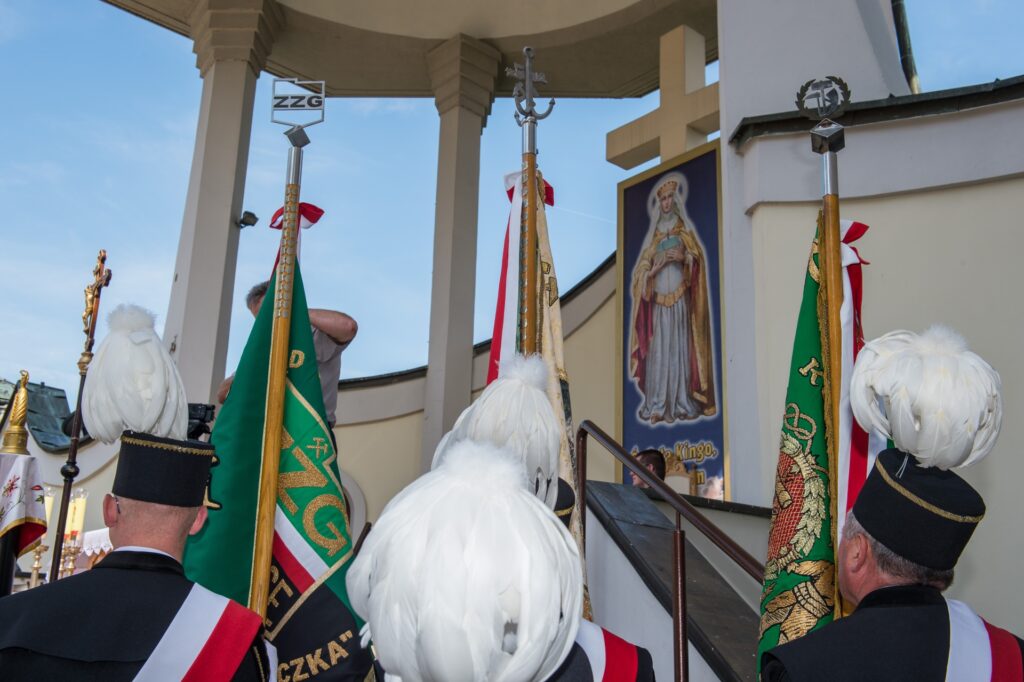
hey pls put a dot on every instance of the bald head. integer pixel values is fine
(147, 524)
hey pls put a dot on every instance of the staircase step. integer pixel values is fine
(719, 624)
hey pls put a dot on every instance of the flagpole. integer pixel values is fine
(310, 107)
(266, 504)
(527, 116)
(827, 139)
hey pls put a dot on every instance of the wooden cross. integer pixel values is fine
(688, 111)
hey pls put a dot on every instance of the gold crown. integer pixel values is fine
(668, 189)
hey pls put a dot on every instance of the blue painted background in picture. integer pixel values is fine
(673, 415)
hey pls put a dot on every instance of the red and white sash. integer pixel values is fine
(978, 651)
(611, 658)
(206, 641)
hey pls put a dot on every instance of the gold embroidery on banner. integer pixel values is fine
(812, 369)
(924, 504)
(812, 267)
(798, 610)
(296, 359)
(335, 544)
(167, 446)
(280, 585)
(319, 446)
(309, 477)
(305, 595)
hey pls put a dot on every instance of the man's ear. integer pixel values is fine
(859, 553)
(109, 511)
(197, 524)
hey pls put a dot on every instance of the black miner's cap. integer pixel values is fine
(925, 515)
(162, 470)
(565, 502)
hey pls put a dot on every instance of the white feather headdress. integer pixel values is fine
(935, 398)
(468, 576)
(132, 382)
(514, 412)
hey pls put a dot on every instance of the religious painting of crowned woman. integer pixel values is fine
(671, 312)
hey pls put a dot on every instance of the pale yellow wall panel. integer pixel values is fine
(590, 363)
(383, 457)
(950, 256)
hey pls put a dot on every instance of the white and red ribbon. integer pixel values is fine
(308, 216)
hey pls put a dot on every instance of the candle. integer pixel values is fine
(48, 494)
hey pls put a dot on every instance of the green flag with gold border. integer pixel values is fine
(309, 618)
(799, 581)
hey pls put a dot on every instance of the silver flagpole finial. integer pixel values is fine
(524, 93)
(822, 99)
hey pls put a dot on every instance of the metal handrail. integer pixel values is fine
(683, 509)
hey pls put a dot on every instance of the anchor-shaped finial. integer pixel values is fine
(524, 90)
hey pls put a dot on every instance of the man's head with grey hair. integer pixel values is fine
(866, 564)
(254, 298)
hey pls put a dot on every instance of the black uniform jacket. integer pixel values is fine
(896, 633)
(102, 624)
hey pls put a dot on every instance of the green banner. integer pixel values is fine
(308, 616)
(799, 582)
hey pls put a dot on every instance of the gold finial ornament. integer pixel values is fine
(16, 437)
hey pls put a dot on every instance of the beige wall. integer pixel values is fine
(590, 364)
(948, 256)
(383, 456)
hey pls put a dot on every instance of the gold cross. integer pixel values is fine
(319, 447)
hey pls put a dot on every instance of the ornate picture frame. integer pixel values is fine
(670, 344)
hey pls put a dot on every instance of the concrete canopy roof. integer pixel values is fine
(587, 48)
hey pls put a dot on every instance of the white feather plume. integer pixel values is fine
(931, 395)
(467, 576)
(132, 382)
(514, 412)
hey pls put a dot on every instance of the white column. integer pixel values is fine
(462, 74)
(231, 40)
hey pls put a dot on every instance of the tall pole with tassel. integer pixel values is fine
(827, 139)
(100, 279)
(527, 116)
(277, 379)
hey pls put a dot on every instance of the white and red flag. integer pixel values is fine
(504, 343)
(506, 314)
(857, 448)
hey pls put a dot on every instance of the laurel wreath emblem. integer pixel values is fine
(815, 115)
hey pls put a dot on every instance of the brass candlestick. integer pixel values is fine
(37, 565)
(71, 553)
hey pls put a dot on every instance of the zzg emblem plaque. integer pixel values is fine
(297, 103)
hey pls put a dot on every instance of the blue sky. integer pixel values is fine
(96, 149)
